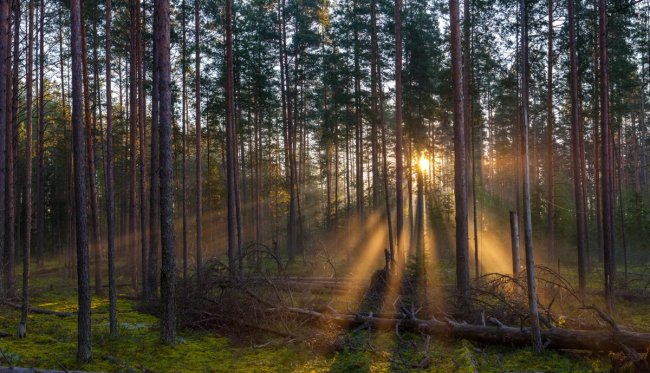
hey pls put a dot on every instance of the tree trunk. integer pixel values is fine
(110, 193)
(528, 224)
(399, 199)
(27, 244)
(197, 126)
(575, 149)
(4, 117)
(607, 191)
(154, 194)
(460, 160)
(168, 270)
(11, 159)
(231, 146)
(84, 353)
(358, 122)
(143, 156)
(550, 119)
(90, 153)
(380, 121)
(40, 167)
(184, 135)
(133, 127)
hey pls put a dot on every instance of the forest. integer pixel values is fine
(324, 186)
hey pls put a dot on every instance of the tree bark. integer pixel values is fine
(460, 160)
(607, 192)
(154, 194)
(84, 353)
(550, 119)
(27, 244)
(528, 224)
(197, 126)
(110, 193)
(575, 150)
(399, 199)
(184, 136)
(4, 121)
(11, 159)
(514, 239)
(143, 156)
(90, 153)
(40, 146)
(168, 270)
(133, 127)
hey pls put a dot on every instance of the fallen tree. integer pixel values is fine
(556, 338)
(42, 311)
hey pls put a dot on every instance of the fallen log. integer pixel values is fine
(555, 338)
(4, 334)
(42, 311)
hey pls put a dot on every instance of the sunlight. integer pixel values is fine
(423, 163)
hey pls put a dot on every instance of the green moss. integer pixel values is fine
(51, 343)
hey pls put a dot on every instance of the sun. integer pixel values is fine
(423, 163)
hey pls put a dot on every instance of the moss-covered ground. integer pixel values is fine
(51, 343)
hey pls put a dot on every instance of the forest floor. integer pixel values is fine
(51, 340)
(51, 343)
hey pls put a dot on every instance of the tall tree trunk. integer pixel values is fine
(606, 160)
(11, 159)
(358, 121)
(399, 199)
(168, 270)
(575, 149)
(550, 119)
(110, 193)
(40, 145)
(5, 20)
(143, 155)
(90, 153)
(27, 244)
(528, 224)
(380, 121)
(133, 127)
(84, 353)
(184, 135)
(377, 117)
(154, 191)
(197, 126)
(460, 160)
(231, 146)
